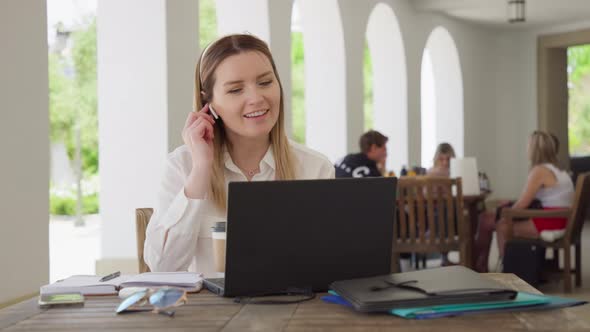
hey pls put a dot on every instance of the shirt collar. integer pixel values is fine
(268, 159)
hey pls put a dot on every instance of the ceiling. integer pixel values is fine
(539, 13)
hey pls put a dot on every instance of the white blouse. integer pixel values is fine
(559, 195)
(189, 221)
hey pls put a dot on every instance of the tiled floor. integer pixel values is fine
(73, 250)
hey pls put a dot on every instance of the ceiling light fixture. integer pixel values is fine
(516, 11)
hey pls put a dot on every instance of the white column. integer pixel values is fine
(24, 143)
(146, 51)
(279, 12)
(354, 20)
(325, 75)
(182, 51)
(243, 16)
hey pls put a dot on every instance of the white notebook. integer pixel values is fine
(90, 284)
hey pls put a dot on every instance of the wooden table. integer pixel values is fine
(208, 312)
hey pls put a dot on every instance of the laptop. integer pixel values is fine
(466, 169)
(306, 234)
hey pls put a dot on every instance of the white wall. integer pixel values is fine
(24, 142)
(516, 110)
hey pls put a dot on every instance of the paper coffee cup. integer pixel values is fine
(218, 238)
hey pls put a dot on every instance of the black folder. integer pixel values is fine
(445, 285)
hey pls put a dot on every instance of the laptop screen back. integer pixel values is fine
(307, 233)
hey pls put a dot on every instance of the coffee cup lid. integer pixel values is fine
(219, 226)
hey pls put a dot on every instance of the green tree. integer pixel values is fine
(298, 86)
(73, 102)
(84, 58)
(207, 23)
(61, 107)
(579, 100)
(74, 99)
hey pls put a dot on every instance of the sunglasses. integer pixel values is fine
(161, 300)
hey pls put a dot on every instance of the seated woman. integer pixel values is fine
(442, 164)
(236, 80)
(442, 160)
(547, 183)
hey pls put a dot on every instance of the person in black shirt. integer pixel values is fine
(371, 160)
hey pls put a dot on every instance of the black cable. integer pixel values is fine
(307, 292)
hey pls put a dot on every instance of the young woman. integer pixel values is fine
(442, 160)
(235, 79)
(547, 183)
(442, 164)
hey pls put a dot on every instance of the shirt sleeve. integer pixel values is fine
(327, 171)
(172, 233)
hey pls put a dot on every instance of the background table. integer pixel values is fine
(208, 312)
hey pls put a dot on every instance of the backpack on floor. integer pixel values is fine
(525, 258)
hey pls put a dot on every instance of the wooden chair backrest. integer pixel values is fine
(142, 218)
(579, 209)
(427, 210)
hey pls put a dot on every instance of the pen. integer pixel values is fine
(110, 276)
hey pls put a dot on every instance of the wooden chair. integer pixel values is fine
(573, 232)
(426, 218)
(142, 218)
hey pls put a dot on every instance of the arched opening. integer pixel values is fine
(389, 83)
(441, 95)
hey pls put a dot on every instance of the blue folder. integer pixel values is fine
(522, 302)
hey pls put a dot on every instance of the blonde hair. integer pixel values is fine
(443, 148)
(542, 149)
(208, 62)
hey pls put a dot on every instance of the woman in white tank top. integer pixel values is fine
(546, 182)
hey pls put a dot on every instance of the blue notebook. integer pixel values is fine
(523, 302)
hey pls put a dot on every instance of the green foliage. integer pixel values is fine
(207, 23)
(579, 100)
(73, 100)
(63, 206)
(67, 205)
(61, 105)
(578, 59)
(298, 86)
